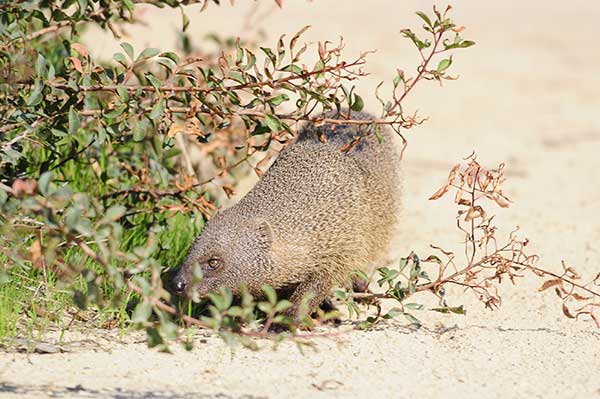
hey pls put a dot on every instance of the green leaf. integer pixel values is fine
(120, 58)
(292, 68)
(270, 293)
(170, 55)
(3, 196)
(129, 5)
(185, 21)
(116, 112)
(412, 319)
(402, 264)
(444, 64)
(157, 111)
(139, 131)
(79, 299)
(358, 103)
(74, 122)
(35, 97)
(217, 300)
(360, 274)
(198, 275)
(270, 54)
(265, 307)
(85, 228)
(72, 217)
(277, 100)
(466, 43)
(413, 306)
(283, 305)
(168, 329)
(154, 81)
(239, 55)
(273, 123)
(425, 18)
(147, 53)
(319, 66)
(142, 312)
(128, 49)
(44, 182)
(418, 42)
(448, 309)
(40, 66)
(123, 94)
(392, 313)
(154, 337)
(227, 297)
(237, 76)
(251, 60)
(114, 213)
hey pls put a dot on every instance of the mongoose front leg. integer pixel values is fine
(317, 287)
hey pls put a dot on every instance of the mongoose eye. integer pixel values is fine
(214, 263)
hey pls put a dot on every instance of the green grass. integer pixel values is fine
(32, 301)
(11, 305)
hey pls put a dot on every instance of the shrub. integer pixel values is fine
(98, 197)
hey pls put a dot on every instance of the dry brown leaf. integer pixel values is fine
(550, 283)
(440, 192)
(470, 179)
(500, 200)
(321, 50)
(321, 136)
(348, 147)
(262, 164)
(595, 318)
(572, 273)
(35, 251)
(458, 197)
(579, 297)
(567, 312)
(472, 213)
(452, 174)
(592, 315)
(229, 190)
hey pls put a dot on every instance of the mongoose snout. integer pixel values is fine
(316, 215)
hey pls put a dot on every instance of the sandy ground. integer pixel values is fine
(528, 94)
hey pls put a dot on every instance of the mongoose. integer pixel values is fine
(316, 215)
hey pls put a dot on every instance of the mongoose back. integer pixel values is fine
(317, 214)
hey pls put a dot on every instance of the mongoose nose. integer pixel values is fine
(179, 286)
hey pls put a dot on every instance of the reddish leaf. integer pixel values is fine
(79, 48)
(76, 64)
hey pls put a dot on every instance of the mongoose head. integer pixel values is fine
(229, 253)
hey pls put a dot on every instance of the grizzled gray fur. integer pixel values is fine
(315, 216)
